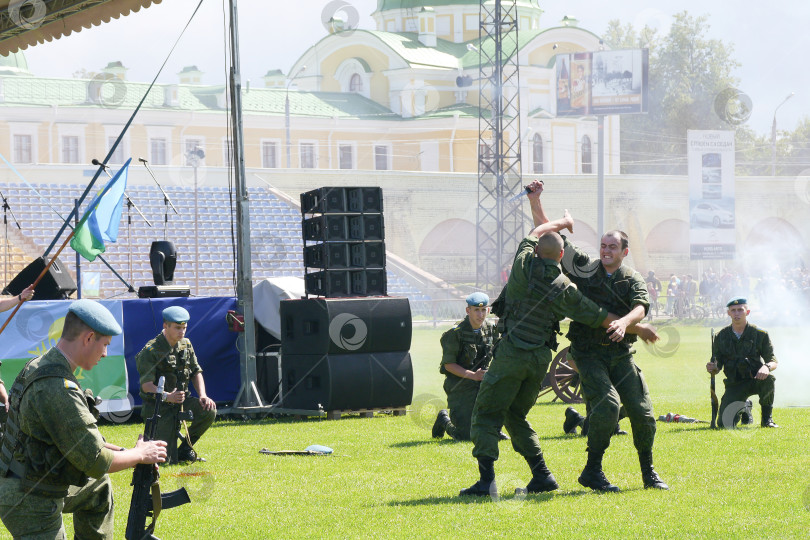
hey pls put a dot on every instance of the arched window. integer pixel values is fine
(587, 161)
(537, 154)
(356, 84)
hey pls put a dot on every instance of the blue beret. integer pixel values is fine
(96, 317)
(175, 314)
(739, 300)
(478, 299)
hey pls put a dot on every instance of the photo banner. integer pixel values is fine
(602, 82)
(37, 327)
(710, 157)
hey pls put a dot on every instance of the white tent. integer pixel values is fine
(267, 297)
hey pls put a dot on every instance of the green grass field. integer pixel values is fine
(389, 479)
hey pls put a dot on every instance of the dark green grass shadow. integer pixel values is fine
(422, 442)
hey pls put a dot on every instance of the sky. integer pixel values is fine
(769, 41)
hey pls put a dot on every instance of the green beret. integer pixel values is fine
(478, 299)
(738, 301)
(175, 314)
(96, 317)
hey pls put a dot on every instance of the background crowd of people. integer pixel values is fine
(777, 293)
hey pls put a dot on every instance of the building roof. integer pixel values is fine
(65, 93)
(14, 64)
(445, 54)
(383, 5)
(52, 19)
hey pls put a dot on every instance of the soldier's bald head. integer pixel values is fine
(549, 246)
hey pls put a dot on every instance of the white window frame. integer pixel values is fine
(388, 155)
(279, 149)
(346, 70)
(160, 132)
(63, 150)
(314, 145)
(430, 156)
(166, 151)
(111, 133)
(27, 129)
(71, 130)
(353, 157)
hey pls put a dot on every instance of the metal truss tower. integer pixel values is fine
(501, 222)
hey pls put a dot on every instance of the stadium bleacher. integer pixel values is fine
(276, 244)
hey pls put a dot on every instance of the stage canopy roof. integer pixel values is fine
(24, 23)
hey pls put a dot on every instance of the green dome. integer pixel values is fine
(14, 63)
(383, 5)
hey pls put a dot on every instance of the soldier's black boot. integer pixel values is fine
(502, 436)
(440, 425)
(746, 417)
(486, 484)
(542, 479)
(619, 430)
(593, 477)
(186, 453)
(767, 421)
(648, 474)
(572, 420)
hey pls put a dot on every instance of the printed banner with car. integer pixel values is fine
(710, 154)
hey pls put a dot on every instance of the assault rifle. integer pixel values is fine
(715, 405)
(147, 500)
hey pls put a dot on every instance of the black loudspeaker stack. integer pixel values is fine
(344, 242)
(57, 284)
(346, 354)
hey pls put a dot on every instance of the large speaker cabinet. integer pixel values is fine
(57, 284)
(346, 354)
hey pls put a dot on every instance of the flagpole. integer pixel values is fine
(41, 275)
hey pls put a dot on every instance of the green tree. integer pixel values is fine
(688, 71)
(793, 150)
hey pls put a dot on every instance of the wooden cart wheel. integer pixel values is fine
(564, 379)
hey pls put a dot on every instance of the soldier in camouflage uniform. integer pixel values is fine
(466, 354)
(538, 296)
(609, 376)
(53, 459)
(607, 372)
(745, 354)
(171, 355)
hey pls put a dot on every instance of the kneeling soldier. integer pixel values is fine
(466, 354)
(171, 355)
(745, 354)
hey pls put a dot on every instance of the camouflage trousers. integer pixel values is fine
(169, 425)
(33, 517)
(507, 394)
(461, 396)
(608, 382)
(737, 392)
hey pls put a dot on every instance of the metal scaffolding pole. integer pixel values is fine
(501, 223)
